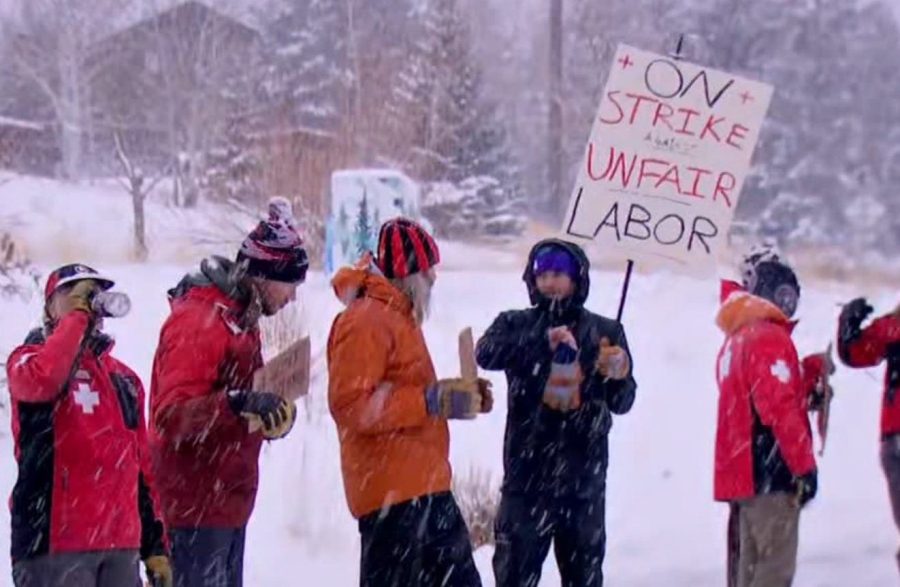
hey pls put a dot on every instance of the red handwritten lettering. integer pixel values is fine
(688, 115)
(615, 164)
(621, 116)
(644, 172)
(698, 174)
(710, 127)
(664, 118)
(671, 176)
(738, 131)
(724, 184)
(638, 100)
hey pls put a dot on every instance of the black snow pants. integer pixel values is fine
(527, 524)
(419, 543)
(105, 568)
(208, 557)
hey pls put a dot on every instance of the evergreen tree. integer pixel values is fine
(233, 170)
(455, 132)
(363, 235)
(310, 75)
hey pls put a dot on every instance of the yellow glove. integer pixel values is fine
(287, 415)
(79, 297)
(612, 362)
(159, 571)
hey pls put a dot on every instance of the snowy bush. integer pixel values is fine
(18, 277)
(233, 171)
(476, 206)
(478, 500)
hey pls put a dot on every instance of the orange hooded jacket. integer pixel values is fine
(378, 365)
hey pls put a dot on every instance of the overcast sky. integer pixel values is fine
(232, 6)
(7, 5)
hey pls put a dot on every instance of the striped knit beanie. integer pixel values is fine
(274, 250)
(405, 248)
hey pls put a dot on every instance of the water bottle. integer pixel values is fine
(111, 304)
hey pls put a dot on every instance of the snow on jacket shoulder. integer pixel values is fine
(83, 478)
(379, 366)
(763, 439)
(204, 457)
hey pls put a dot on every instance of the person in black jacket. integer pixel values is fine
(567, 370)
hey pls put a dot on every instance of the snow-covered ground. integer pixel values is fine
(664, 528)
(59, 221)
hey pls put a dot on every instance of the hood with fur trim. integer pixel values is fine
(366, 280)
(740, 309)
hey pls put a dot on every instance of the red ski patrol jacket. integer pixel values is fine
(763, 439)
(83, 482)
(204, 457)
(881, 341)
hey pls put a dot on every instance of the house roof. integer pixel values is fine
(187, 11)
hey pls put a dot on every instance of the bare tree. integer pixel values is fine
(50, 50)
(139, 190)
(205, 84)
(555, 114)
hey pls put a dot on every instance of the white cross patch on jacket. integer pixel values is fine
(781, 372)
(725, 364)
(87, 398)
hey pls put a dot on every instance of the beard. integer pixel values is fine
(267, 308)
(418, 289)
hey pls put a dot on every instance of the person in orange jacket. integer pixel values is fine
(391, 413)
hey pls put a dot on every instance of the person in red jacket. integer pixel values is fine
(82, 508)
(764, 464)
(868, 347)
(205, 458)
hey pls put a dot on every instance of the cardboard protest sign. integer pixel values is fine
(286, 374)
(666, 159)
(468, 369)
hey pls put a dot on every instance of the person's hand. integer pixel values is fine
(561, 334)
(485, 388)
(459, 399)
(817, 368)
(807, 487)
(612, 361)
(79, 297)
(281, 429)
(852, 316)
(275, 414)
(159, 571)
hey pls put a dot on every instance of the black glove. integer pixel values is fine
(807, 487)
(272, 409)
(851, 320)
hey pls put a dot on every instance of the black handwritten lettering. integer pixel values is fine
(679, 222)
(702, 229)
(642, 222)
(614, 213)
(668, 68)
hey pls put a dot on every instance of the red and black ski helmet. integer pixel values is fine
(68, 274)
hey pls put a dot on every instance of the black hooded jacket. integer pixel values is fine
(547, 451)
